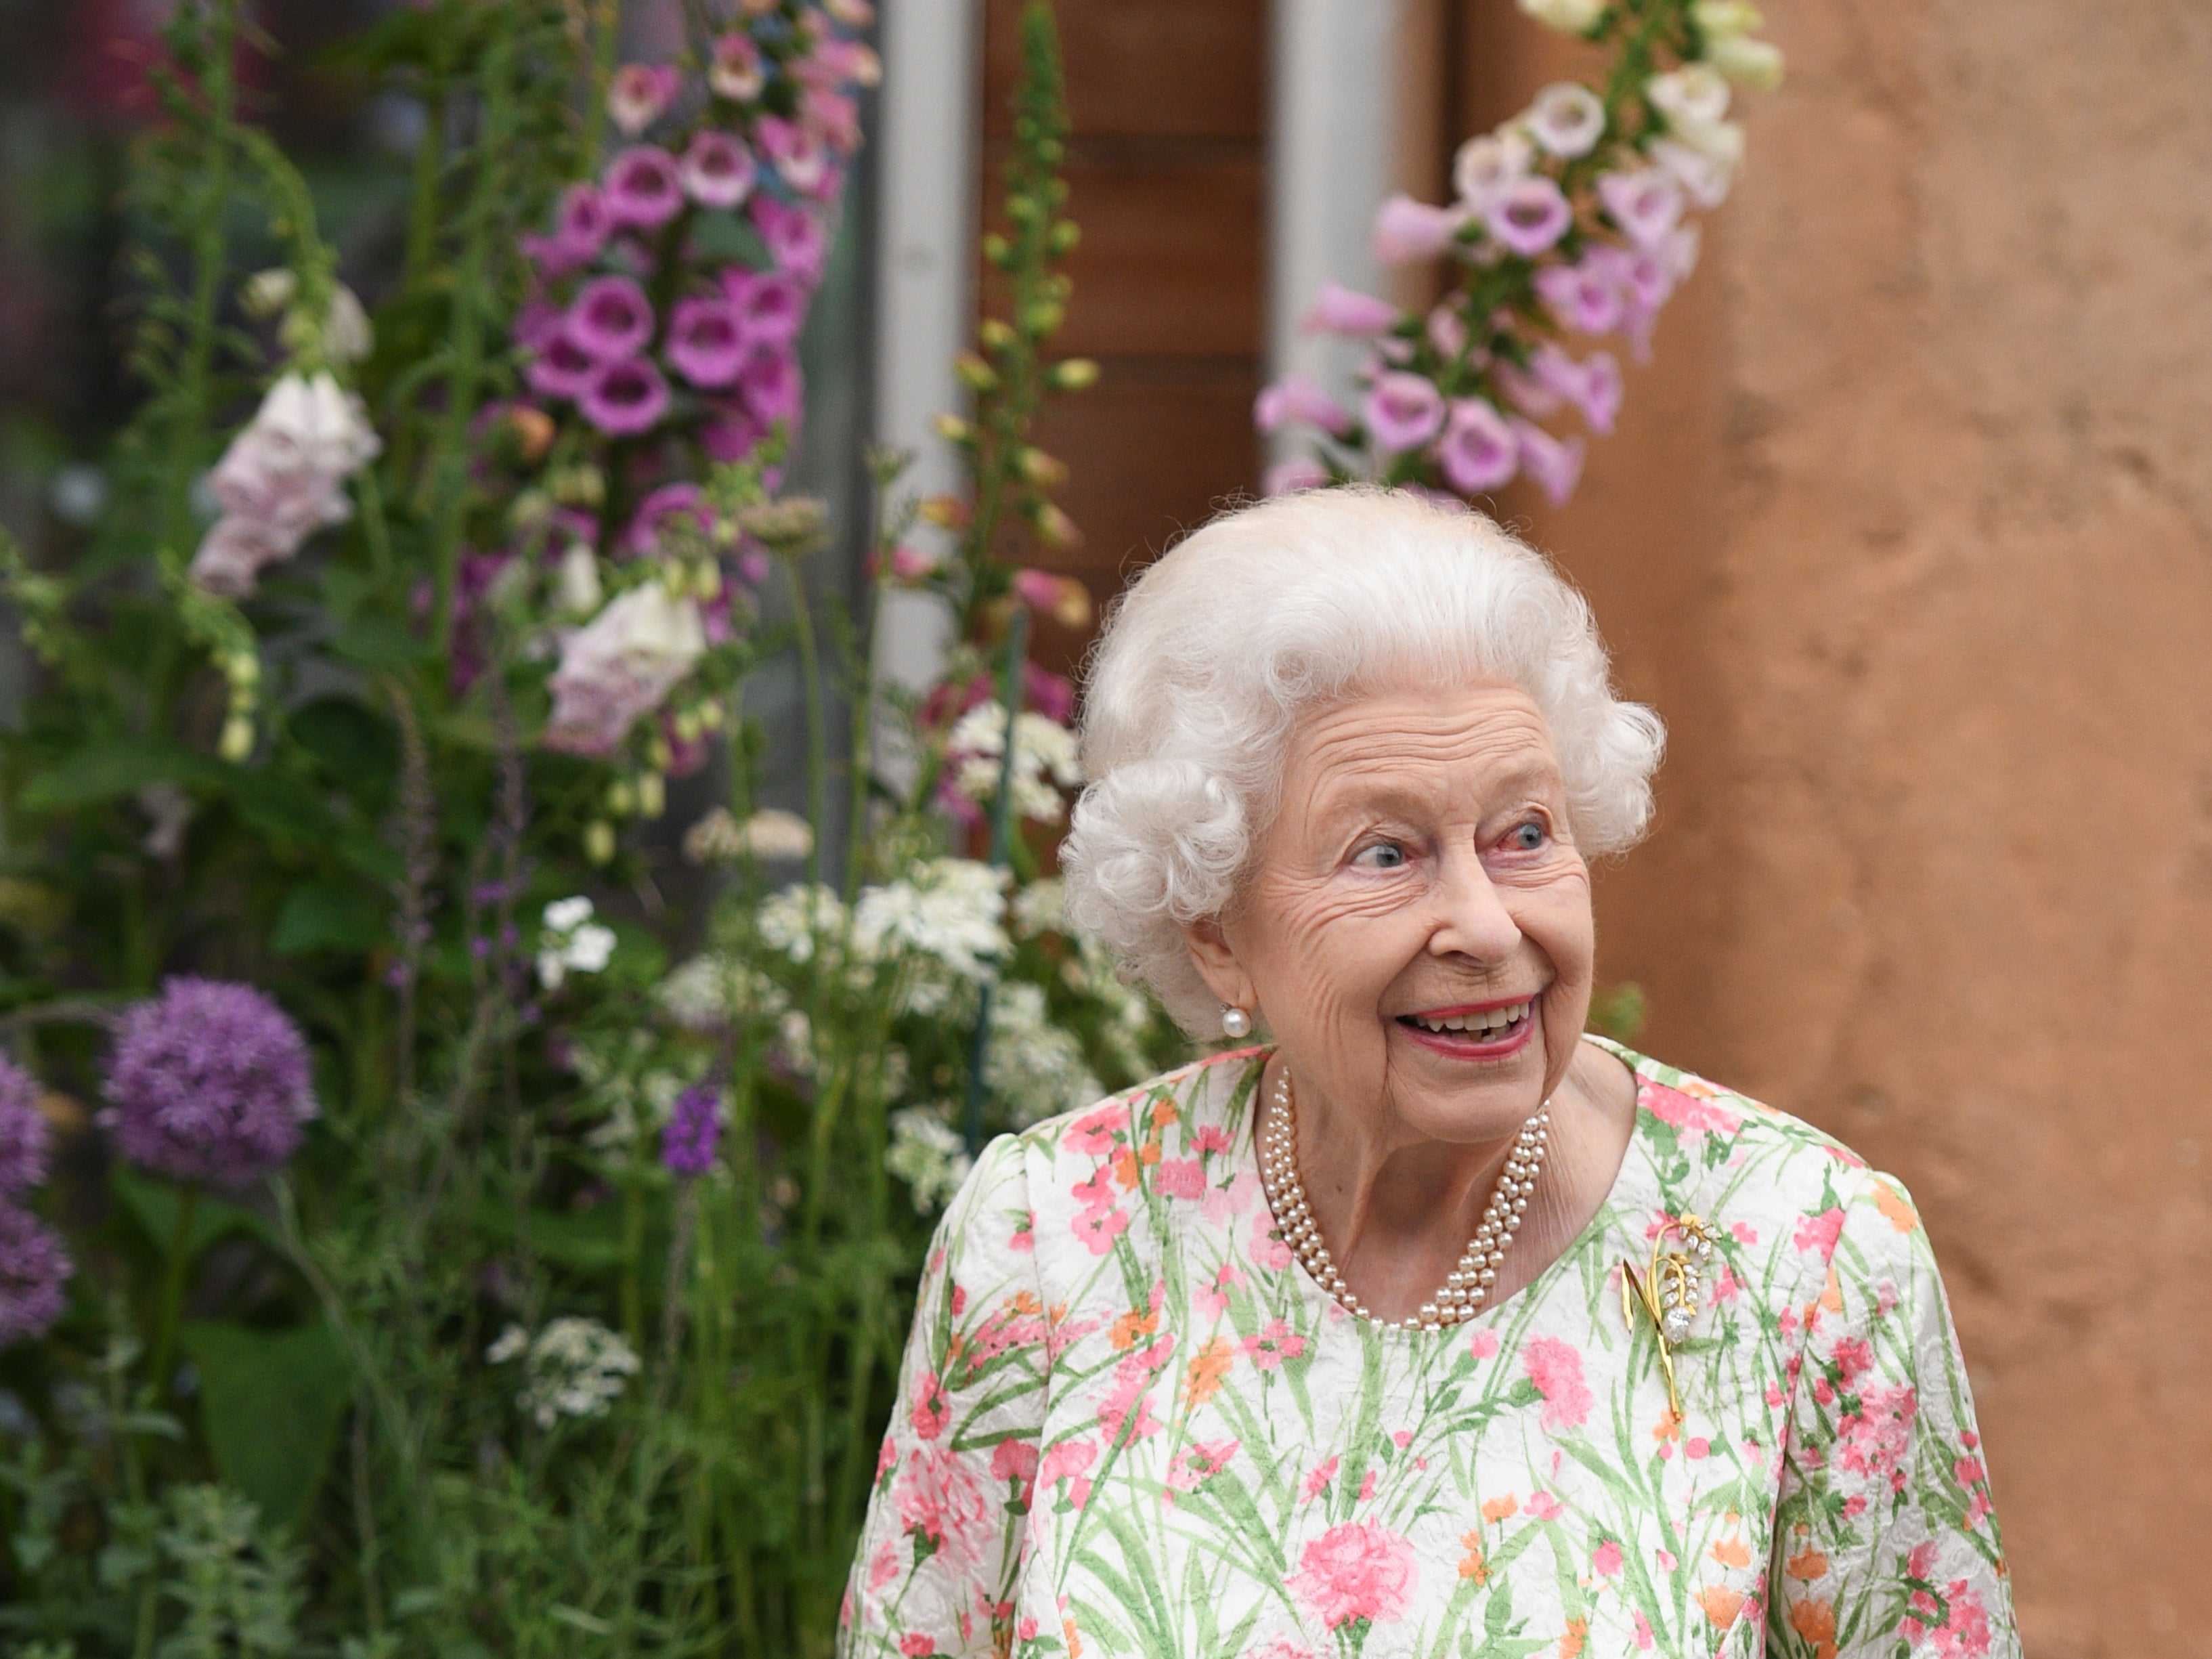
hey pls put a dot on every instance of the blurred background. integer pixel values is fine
(1906, 531)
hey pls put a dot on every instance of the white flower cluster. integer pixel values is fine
(572, 1368)
(949, 911)
(571, 942)
(627, 1084)
(282, 479)
(712, 990)
(1035, 1069)
(718, 838)
(1044, 760)
(927, 1155)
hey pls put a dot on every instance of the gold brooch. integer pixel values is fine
(1668, 1289)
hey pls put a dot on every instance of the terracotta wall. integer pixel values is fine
(1908, 532)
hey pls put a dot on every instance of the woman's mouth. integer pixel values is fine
(1486, 1033)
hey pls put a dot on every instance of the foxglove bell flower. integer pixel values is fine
(561, 368)
(625, 399)
(1580, 297)
(1478, 450)
(706, 341)
(1289, 478)
(1406, 230)
(641, 189)
(734, 70)
(24, 1138)
(1645, 203)
(716, 170)
(283, 478)
(1528, 216)
(1299, 397)
(1484, 166)
(610, 318)
(1403, 411)
(1339, 310)
(771, 308)
(668, 501)
(1567, 119)
(770, 382)
(619, 665)
(209, 1082)
(800, 155)
(639, 94)
(795, 236)
(1556, 465)
(34, 1267)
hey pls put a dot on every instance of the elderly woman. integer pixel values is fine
(1432, 1325)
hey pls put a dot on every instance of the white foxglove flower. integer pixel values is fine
(1486, 167)
(1695, 94)
(1567, 119)
(1575, 16)
(620, 666)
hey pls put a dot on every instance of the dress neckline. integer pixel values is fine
(1619, 1194)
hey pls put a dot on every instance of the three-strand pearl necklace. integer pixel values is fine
(1469, 1284)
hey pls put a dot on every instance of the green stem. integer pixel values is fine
(817, 725)
(864, 709)
(422, 210)
(173, 1293)
(1002, 835)
(210, 259)
(606, 44)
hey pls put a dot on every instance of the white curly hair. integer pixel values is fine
(1270, 613)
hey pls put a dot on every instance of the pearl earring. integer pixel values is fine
(1235, 1022)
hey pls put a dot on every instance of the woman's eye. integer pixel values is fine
(1526, 838)
(1382, 855)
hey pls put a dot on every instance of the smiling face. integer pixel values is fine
(1416, 927)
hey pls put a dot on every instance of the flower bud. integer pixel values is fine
(600, 841)
(1065, 235)
(996, 250)
(242, 669)
(1040, 468)
(237, 737)
(710, 715)
(975, 374)
(946, 512)
(652, 795)
(533, 431)
(954, 431)
(268, 292)
(1053, 527)
(621, 799)
(994, 334)
(1575, 16)
(1749, 63)
(1074, 374)
(1042, 318)
(1715, 18)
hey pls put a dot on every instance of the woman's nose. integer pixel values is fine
(1471, 919)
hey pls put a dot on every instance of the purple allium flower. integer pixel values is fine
(639, 94)
(1556, 466)
(1339, 310)
(24, 1138)
(642, 190)
(770, 306)
(610, 318)
(716, 171)
(625, 399)
(695, 1127)
(1406, 230)
(661, 505)
(770, 383)
(34, 1266)
(1581, 297)
(733, 70)
(1478, 450)
(794, 238)
(1528, 216)
(1646, 203)
(1403, 411)
(561, 369)
(706, 341)
(209, 1082)
(1298, 397)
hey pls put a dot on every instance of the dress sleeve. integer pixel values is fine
(935, 1568)
(1884, 1541)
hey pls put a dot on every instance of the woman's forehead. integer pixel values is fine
(1478, 740)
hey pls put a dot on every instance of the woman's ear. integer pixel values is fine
(1215, 958)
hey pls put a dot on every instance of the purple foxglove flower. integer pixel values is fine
(1524, 391)
(1567, 119)
(1299, 397)
(1406, 230)
(731, 433)
(1705, 178)
(561, 369)
(1447, 331)
(1555, 465)
(619, 665)
(1476, 451)
(769, 381)
(795, 237)
(733, 69)
(209, 1082)
(771, 307)
(1600, 401)
(34, 1266)
(24, 1138)
(625, 399)
(799, 156)
(641, 189)
(1289, 478)
(1528, 216)
(1403, 411)
(706, 341)
(230, 557)
(1646, 203)
(639, 94)
(610, 318)
(1339, 310)
(695, 1128)
(578, 233)
(537, 322)
(667, 503)
(832, 117)
(1581, 297)
(716, 170)
(1484, 167)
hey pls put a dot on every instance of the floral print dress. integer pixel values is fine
(1128, 1423)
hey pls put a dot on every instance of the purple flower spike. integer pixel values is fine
(794, 238)
(625, 398)
(34, 1266)
(1478, 450)
(716, 170)
(612, 319)
(642, 190)
(695, 1128)
(1556, 466)
(769, 381)
(1298, 397)
(1646, 203)
(1403, 411)
(561, 369)
(1528, 216)
(639, 94)
(23, 1135)
(209, 1082)
(771, 308)
(706, 341)
(1339, 310)
(1581, 297)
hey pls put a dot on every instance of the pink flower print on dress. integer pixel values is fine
(1876, 1440)
(1605, 1559)
(1213, 1297)
(1484, 1346)
(1359, 1570)
(1689, 1112)
(1067, 1460)
(939, 1497)
(1556, 1368)
(1094, 1133)
(1271, 1253)
(1099, 1227)
(1240, 1197)
(1819, 1233)
(1199, 1462)
(1272, 1344)
(1317, 1479)
(1543, 1506)
(1180, 1177)
(931, 1413)
(1213, 1137)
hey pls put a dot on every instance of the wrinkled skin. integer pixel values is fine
(1420, 860)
